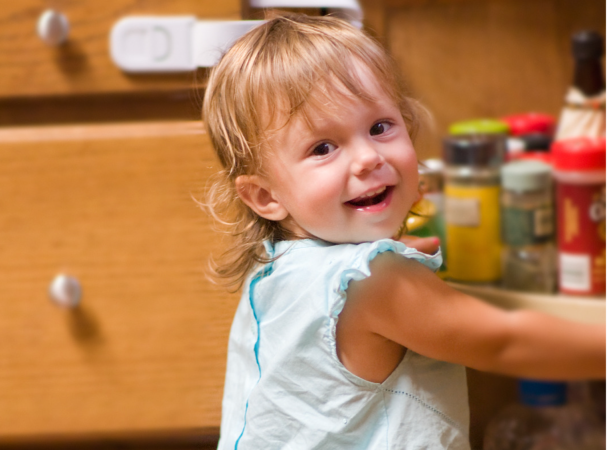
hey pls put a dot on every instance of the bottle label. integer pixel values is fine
(527, 226)
(575, 272)
(473, 233)
(544, 223)
(463, 212)
(581, 232)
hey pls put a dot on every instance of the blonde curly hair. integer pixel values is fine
(285, 67)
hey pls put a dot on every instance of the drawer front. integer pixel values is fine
(82, 64)
(112, 206)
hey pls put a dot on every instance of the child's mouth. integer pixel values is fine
(374, 198)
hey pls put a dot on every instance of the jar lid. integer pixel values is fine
(580, 154)
(542, 393)
(587, 44)
(539, 142)
(479, 126)
(545, 157)
(530, 122)
(526, 175)
(474, 150)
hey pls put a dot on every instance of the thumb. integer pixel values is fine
(427, 245)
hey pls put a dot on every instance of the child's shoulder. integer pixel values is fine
(367, 251)
(343, 263)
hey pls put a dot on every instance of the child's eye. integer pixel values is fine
(379, 128)
(323, 149)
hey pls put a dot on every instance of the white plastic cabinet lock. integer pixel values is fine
(346, 9)
(183, 43)
(172, 44)
(212, 38)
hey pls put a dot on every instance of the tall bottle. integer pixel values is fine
(543, 420)
(584, 112)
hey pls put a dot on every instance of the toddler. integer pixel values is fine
(345, 338)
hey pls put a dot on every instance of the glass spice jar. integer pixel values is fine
(431, 220)
(472, 210)
(527, 225)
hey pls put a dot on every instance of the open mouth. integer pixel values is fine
(371, 199)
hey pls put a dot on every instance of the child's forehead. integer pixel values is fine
(327, 98)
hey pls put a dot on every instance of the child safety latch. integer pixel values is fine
(183, 43)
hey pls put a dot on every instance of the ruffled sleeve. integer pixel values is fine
(359, 268)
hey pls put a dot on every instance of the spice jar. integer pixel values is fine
(530, 123)
(527, 224)
(471, 207)
(534, 131)
(479, 126)
(579, 171)
(493, 127)
(428, 219)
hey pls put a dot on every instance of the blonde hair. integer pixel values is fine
(281, 67)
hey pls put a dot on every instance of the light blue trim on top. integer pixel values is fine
(359, 269)
(265, 271)
(433, 262)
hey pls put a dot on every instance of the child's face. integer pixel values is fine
(351, 176)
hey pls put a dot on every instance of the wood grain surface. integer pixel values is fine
(111, 205)
(470, 59)
(82, 65)
(101, 108)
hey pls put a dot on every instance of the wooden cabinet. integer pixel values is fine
(112, 205)
(110, 202)
(469, 59)
(29, 67)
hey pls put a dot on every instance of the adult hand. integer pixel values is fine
(427, 245)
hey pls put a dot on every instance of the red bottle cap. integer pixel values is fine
(580, 154)
(530, 123)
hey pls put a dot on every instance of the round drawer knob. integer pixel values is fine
(65, 291)
(53, 27)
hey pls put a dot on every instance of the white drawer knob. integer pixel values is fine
(65, 291)
(53, 27)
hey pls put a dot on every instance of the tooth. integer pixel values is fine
(372, 194)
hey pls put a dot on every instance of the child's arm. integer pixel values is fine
(407, 304)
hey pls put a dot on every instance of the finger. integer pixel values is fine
(427, 245)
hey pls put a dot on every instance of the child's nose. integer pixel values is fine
(366, 159)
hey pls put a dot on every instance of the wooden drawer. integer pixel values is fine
(83, 65)
(111, 205)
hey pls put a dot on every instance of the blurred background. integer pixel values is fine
(110, 334)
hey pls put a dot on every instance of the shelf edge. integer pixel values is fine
(580, 309)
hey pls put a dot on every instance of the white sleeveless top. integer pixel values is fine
(285, 387)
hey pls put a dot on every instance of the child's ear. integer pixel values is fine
(255, 192)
